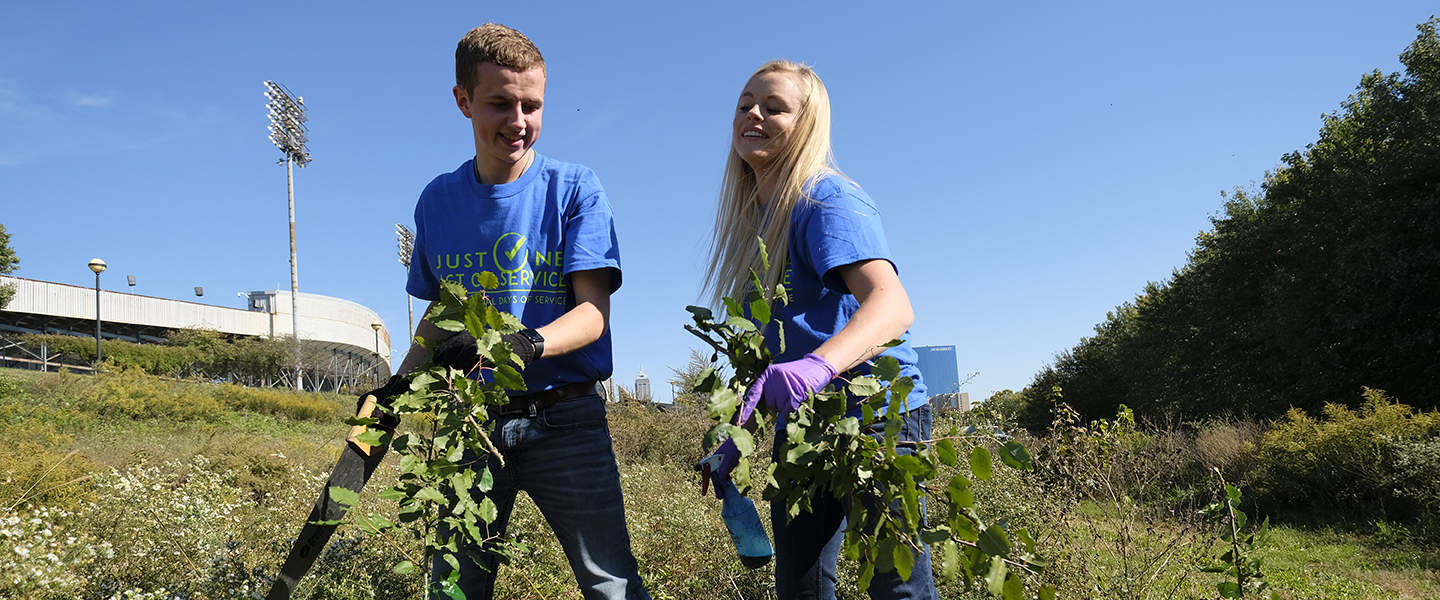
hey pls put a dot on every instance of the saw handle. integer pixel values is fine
(367, 408)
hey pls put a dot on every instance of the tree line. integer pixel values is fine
(1324, 280)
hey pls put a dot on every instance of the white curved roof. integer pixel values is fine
(322, 318)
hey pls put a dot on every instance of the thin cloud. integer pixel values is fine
(91, 100)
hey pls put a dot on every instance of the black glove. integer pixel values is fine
(458, 351)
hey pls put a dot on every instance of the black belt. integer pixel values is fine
(530, 405)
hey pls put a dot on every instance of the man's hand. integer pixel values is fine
(459, 351)
(785, 386)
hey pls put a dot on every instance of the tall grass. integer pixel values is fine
(110, 487)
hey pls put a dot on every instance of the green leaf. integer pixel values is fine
(1047, 592)
(732, 308)
(372, 437)
(949, 560)
(404, 567)
(848, 426)
(512, 323)
(863, 386)
(488, 511)
(700, 313)
(995, 577)
(448, 324)
(462, 481)
(1015, 455)
(723, 404)
(884, 554)
(764, 254)
(487, 480)
(344, 496)
(744, 442)
(993, 541)
(492, 317)
(913, 465)
(488, 280)
(431, 494)
(474, 324)
(904, 561)
(959, 492)
(760, 310)
(1014, 590)
(508, 377)
(900, 390)
(886, 368)
(980, 463)
(422, 381)
(740, 324)
(707, 381)
(945, 451)
(801, 453)
(1229, 589)
(867, 572)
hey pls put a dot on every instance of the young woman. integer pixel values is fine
(829, 250)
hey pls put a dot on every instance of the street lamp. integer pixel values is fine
(376, 327)
(98, 266)
(289, 134)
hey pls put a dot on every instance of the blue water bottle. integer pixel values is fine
(741, 518)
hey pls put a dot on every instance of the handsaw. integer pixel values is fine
(357, 463)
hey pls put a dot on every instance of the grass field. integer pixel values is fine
(126, 486)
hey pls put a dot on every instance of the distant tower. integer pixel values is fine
(642, 387)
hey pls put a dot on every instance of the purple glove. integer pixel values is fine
(785, 386)
(718, 464)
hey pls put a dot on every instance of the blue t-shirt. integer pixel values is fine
(838, 226)
(532, 233)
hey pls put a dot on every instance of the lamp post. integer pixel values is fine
(289, 134)
(376, 327)
(98, 266)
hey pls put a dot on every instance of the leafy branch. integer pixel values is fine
(439, 483)
(843, 443)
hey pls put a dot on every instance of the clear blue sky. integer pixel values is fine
(1035, 164)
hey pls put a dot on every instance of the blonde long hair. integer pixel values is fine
(742, 215)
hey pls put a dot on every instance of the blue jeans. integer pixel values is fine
(807, 547)
(562, 458)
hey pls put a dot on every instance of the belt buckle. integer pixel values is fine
(530, 410)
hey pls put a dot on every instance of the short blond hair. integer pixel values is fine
(493, 43)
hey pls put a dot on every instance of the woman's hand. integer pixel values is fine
(784, 386)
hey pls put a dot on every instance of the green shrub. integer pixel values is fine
(283, 403)
(134, 395)
(1377, 463)
(642, 433)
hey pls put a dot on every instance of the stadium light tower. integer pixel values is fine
(405, 246)
(288, 133)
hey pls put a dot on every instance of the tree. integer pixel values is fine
(623, 394)
(9, 262)
(683, 381)
(1303, 291)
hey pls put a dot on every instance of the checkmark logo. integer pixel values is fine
(510, 255)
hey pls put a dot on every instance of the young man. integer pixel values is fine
(544, 228)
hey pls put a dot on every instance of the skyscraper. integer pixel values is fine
(642, 387)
